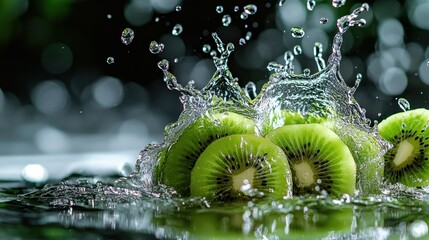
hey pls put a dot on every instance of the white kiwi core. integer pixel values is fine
(238, 180)
(304, 174)
(405, 149)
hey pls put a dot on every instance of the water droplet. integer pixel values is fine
(109, 16)
(219, 9)
(306, 72)
(236, 8)
(177, 29)
(176, 60)
(311, 4)
(297, 32)
(275, 67)
(206, 48)
(213, 53)
(110, 60)
(297, 50)
(281, 2)
(427, 63)
(226, 20)
(379, 114)
(250, 9)
(34, 173)
(318, 56)
(248, 36)
(404, 104)
(338, 3)
(157, 19)
(242, 41)
(244, 15)
(178, 8)
(323, 20)
(163, 64)
(127, 36)
(155, 47)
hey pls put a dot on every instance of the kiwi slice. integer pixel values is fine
(407, 161)
(319, 160)
(176, 163)
(285, 117)
(241, 167)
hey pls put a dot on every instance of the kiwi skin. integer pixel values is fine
(320, 148)
(407, 132)
(177, 160)
(229, 158)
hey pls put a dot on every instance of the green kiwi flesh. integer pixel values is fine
(234, 162)
(407, 161)
(285, 117)
(318, 159)
(174, 168)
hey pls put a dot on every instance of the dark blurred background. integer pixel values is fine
(59, 94)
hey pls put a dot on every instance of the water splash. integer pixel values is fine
(324, 94)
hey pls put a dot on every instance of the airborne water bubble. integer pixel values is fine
(236, 8)
(219, 9)
(110, 60)
(206, 48)
(226, 20)
(250, 9)
(338, 3)
(177, 29)
(311, 4)
(155, 47)
(178, 8)
(297, 32)
(404, 104)
(323, 20)
(127, 36)
(297, 50)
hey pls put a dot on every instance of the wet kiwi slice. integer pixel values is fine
(319, 160)
(241, 167)
(407, 162)
(174, 168)
(285, 117)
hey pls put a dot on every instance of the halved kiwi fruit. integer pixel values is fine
(241, 167)
(285, 117)
(319, 160)
(407, 162)
(174, 168)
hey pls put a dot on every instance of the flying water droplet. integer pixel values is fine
(127, 36)
(338, 3)
(176, 60)
(178, 8)
(219, 9)
(297, 32)
(164, 65)
(155, 47)
(226, 20)
(427, 63)
(348, 21)
(297, 50)
(275, 67)
(242, 41)
(177, 29)
(206, 48)
(404, 104)
(281, 2)
(250, 9)
(109, 16)
(244, 15)
(157, 19)
(110, 60)
(248, 36)
(213, 53)
(236, 8)
(323, 20)
(357, 83)
(311, 4)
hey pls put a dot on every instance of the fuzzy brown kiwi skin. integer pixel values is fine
(177, 160)
(408, 129)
